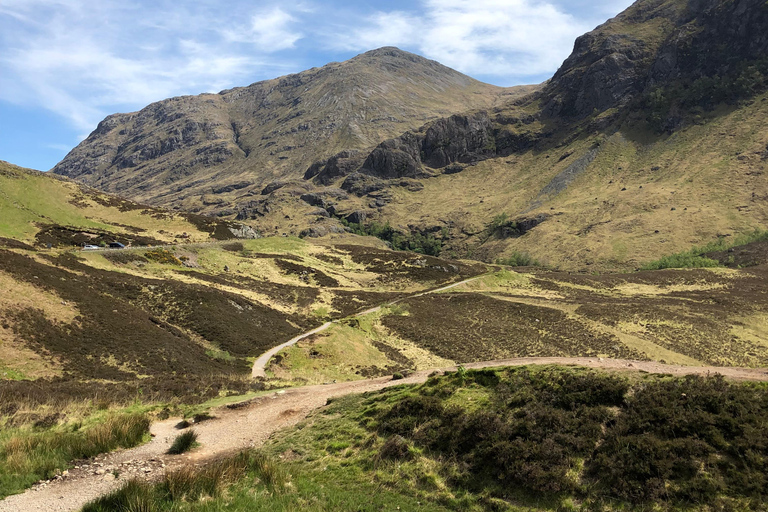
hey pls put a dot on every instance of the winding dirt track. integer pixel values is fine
(251, 424)
(260, 365)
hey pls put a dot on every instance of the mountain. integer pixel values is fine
(649, 139)
(207, 151)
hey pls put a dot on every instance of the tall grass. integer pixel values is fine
(29, 455)
(192, 484)
(695, 256)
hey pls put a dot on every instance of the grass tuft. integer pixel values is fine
(192, 484)
(183, 443)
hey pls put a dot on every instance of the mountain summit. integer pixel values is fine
(209, 149)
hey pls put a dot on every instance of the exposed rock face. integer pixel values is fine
(396, 158)
(458, 139)
(341, 164)
(446, 143)
(174, 151)
(652, 44)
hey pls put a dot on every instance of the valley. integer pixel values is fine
(381, 284)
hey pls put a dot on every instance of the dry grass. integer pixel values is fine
(29, 455)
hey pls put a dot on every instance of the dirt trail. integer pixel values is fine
(260, 365)
(251, 424)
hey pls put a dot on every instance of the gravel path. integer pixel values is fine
(251, 423)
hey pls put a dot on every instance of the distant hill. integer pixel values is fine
(207, 151)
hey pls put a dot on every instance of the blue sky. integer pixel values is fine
(66, 64)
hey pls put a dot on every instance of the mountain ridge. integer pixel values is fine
(659, 99)
(246, 137)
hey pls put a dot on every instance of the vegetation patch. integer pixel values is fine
(519, 259)
(162, 256)
(416, 242)
(27, 455)
(547, 438)
(473, 327)
(183, 443)
(720, 252)
(193, 488)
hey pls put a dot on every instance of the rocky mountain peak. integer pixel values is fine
(185, 151)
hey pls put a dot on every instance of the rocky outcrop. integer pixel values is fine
(327, 171)
(654, 44)
(458, 139)
(396, 158)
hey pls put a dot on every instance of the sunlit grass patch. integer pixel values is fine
(28, 455)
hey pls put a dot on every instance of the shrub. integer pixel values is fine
(416, 242)
(519, 259)
(162, 256)
(183, 443)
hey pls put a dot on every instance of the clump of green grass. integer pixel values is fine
(695, 256)
(191, 485)
(183, 443)
(519, 259)
(29, 455)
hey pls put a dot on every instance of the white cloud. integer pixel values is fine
(506, 38)
(84, 59)
(270, 30)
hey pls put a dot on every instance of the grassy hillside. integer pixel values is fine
(697, 317)
(38, 209)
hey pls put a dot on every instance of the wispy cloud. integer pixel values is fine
(270, 30)
(505, 38)
(84, 59)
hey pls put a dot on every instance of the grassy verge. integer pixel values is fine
(695, 257)
(31, 454)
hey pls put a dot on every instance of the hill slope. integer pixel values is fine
(213, 149)
(650, 138)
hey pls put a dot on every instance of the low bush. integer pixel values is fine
(416, 242)
(695, 257)
(519, 259)
(672, 443)
(162, 256)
